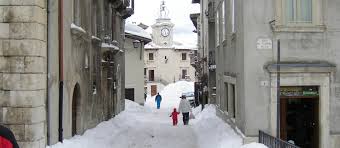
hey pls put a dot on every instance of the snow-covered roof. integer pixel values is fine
(176, 45)
(136, 30)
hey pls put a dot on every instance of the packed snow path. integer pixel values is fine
(155, 130)
(136, 127)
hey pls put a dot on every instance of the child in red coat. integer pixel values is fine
(174, 115)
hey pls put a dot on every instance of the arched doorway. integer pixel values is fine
(75, 109)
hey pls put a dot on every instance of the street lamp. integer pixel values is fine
(136, 43)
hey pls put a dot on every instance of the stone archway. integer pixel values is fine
(76, 109)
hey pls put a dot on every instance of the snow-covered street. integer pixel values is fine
(147, 127)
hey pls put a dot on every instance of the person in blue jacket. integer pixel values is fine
(158, 99)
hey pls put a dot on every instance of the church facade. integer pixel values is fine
(166, 61)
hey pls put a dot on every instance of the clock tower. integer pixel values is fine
(162, 30)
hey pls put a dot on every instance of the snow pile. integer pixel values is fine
(170, 94)
(105, 134)
(131, 106)
(212, 132)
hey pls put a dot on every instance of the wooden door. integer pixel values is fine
(283, 120)
(153, 90)
(299, 121)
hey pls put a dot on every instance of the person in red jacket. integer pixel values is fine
(7, 139)
(174, 115)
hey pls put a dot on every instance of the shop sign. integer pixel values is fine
(299, 91)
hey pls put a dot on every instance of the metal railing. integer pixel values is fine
(273, 142)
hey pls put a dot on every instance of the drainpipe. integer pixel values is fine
(278, 118)
(48, 74)
(61, 68)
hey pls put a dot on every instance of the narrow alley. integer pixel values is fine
(147, 127)
(109, 73)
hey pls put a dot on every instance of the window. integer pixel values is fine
(94, 17)
(145, 69)
(233, 29)
(217, 28)
(151, 75)
(114, 24)
(184, 73)
(150, 56)
(76, 12)
(184, 56)
(226, 105)
(298, 11)
(223, 22)
(233, 99)
(299, 16)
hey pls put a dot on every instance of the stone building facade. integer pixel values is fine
(23, 71)
(261, 45)
(61, 66)
(166, 61)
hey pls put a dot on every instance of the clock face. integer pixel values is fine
(165, 32)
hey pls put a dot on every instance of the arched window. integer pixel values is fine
(76, 113)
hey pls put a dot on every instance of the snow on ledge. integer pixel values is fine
(254, 145)
(77, 28)
(106, 45)
(95, 38)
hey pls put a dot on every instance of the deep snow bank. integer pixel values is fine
(170, 94)
(103, 135)
(212, 132)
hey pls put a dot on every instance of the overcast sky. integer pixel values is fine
(146, 12)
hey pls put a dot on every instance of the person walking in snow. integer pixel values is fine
(185, 109)
(158, 99)
(174, 115)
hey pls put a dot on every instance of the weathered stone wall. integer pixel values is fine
(24, 65)
(83, 67)
(23, 70)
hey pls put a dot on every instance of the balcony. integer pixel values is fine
(194, 59)
(212, 62)
(124, 7)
